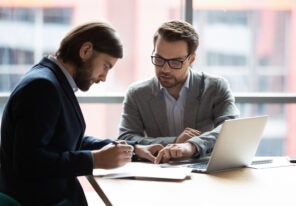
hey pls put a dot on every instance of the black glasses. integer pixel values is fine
(173, 63)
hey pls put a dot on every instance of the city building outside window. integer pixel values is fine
(252, 44)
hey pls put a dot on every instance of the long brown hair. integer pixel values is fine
(103, 36)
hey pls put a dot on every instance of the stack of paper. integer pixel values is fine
(142, 170)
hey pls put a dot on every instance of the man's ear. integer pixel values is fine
(192, 58)
(86, 51)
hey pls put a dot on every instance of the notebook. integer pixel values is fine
(235, 146)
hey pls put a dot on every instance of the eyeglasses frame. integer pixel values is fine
(168, 61)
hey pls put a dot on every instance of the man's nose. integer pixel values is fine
(102, 78)
(166, 67)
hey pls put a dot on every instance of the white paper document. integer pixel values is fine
(142, 170)
(266, 162)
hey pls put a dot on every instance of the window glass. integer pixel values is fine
(57, 15)
(31, 29)
(250, 43)
(16, 14)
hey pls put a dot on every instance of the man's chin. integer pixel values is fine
(166, 84)
(84, 89)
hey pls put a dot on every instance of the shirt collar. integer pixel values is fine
(66, 73)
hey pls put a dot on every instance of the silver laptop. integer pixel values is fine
(235, 146)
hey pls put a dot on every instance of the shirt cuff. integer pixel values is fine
(198, 149)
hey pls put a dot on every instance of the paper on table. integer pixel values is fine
(270, 162)
(144, 171)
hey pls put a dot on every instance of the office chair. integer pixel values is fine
(6, 200)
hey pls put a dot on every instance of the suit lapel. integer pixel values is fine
(192, 102)
(158, 109)
(190, 110)
(66, 87)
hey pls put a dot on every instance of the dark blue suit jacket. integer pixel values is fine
(43, 147)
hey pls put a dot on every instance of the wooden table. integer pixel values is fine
(244, 186)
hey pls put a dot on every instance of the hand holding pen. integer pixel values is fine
(113, 156)
(115, 142)
(146, 152)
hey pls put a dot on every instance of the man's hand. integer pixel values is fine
(175, 151)
(148, 151)
(112, 156)
(187, 134)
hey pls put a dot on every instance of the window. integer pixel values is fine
(15, 56)
(57, 15)
(16, 14)
(247, 45)
(220, 59)
(29, 31)
(250, 43)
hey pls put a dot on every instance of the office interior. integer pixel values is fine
(250, 43)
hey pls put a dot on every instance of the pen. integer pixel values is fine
(115, 142)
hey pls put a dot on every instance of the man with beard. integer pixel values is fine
(178, 108)
(43, 147)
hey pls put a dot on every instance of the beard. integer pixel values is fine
(83, 75)
(168, 83)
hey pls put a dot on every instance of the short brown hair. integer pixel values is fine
(176, 30)
(102, 35)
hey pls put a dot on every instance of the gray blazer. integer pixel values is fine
(209, 102)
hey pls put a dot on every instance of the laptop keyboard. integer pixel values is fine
(198, 166)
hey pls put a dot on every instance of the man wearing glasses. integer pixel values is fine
(178, 108)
